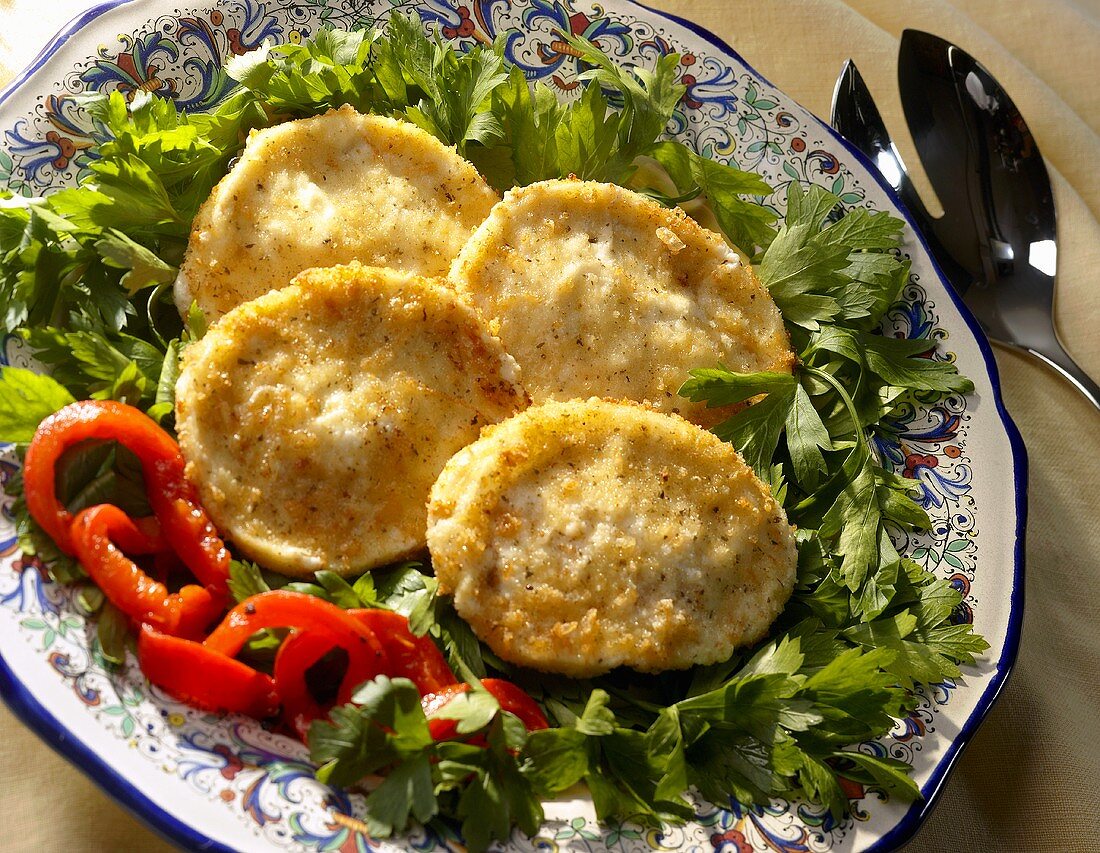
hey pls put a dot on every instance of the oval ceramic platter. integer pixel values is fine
(214, 782)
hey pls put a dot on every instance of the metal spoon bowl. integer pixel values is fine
(997, 239)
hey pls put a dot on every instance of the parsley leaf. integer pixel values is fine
(811, 266)
(26, 398)
(649, 97)
(448, 93)
(385, 725)
(473, 710)
(494, 794)
(406, 792)
(892, 359)
(144, 269)
(744, 222)
(755, 431)
(887, 773)
(112, 632)
(245, 580)
(806, 438)
(326, 71)
(721, 387)
(339, 590)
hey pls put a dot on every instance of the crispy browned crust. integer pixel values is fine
(597, 290)
(585, 535)
(316, 418)
(327, 190)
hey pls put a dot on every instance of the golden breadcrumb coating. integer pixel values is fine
(329, 190)
(584, 535)
(315, 418)
(597, 290)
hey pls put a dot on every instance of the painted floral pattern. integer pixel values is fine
(264, 779)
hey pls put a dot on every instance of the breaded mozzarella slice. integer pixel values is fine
(597, 290)
(329, 190)
(315, 418)
(581, 536)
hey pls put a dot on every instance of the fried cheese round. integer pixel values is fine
(598, 290)
(315, 418)
(585, 535)
(329, 190)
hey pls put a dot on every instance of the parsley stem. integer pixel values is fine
(860, 433)
(150, 309)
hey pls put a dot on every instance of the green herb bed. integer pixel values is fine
(85, 280)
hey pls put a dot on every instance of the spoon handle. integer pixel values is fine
(1055, 355)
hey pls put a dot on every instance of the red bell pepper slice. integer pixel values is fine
(367, 657)
(186, 526)
(194, 674)
(281, 608)
(97, 535)
(415, 658)
(298, 653)
(511, 698)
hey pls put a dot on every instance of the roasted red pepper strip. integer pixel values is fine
(194, 674)
(511, 699)
(415, 658)
(298, 653)
(282, 609)
(185, 524)
(140, 536)
(97, 535)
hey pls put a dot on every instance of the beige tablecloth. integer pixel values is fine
(1031, 778)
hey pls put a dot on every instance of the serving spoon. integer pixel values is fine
(996, 242)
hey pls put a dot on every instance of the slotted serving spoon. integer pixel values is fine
(997, 239)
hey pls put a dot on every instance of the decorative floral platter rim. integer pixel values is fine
(231, 766)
